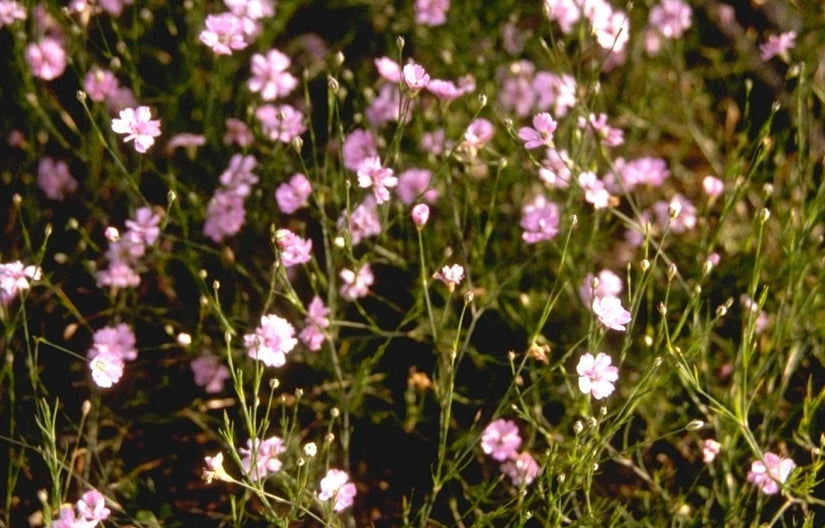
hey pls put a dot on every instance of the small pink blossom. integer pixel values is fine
(99, 84)
(209, 373)
(372, 174)
(314, 324)
(609, 136)
(713, 186)
(594, 189)
(238, 176)
(610, 312)
(272, 341)
(54, 179)
(671, 18)
(539, 220)
(388, 69)
(118, 340)
(10, 11)
(92, 506)
(564, 12)
(555, 168)
(420, 214)
(293, 194)
(556, 91)
(415, 77)
(358, 146)
(67, 519)
(269, 75)
(522, 469)
(260, 459)
(385, 107)
(225, 215)
(281, 123)
(107, 369)
(119, 275)
(144, 228)
(679, 215)
(450, 275)
(293, 249)
(335, 486)
(777, 45)
(15, 277)
(356, 284)
(541, 135)
(710, 448)
(138, 125)
(431, 12)
(444, 90)
(363, 222)
(479, 133)
(596, 375)
(501, 439)
(46, 58)
(414, 184)
(770, 472)
(237, 132)
(224, 33)
(609, 285)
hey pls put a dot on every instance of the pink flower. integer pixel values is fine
(209, 373)
(431, 12)
(269, 75)
(770, 472)
(415, 77)
(556, 91)
(671, 18)
(293, 249)
(11, 11)
(315, 322)
(107, 369)
(641, 171)
(358, 146)
(450, 275)
(679, 214)
(336, 486)
(251, 9)
(272, 341)
(281, 123)
(92, 506)
(609, 285)
(372, 174)
(444, 90)
(420, 214)
(46, 58)
(501, 439)
(609, 136)
(144, 229)
(118, 275)
(54, 179)
(260, 459)
(293, 194)
(223, 33)
(777, 45)
(15, 277)
(237, 132)
(137, 124)
(388, 69)
(521, 468)
(414, 184)
(596, 375)
(114, 7)
(225, 215)
(364, 222)
(99, 84)
(565, 12)
(555, 168)
(356, 284)
(385, 107)
(594, 190)
(67, 519)
(610, 312)
(710, 448)
(238, 176)
(541, 135)
(478, 133)
(539, 220)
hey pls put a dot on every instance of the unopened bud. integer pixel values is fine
(399, 41)
(86, 407)
(468, 297)
(274, 383)
(644, 264)
(671, 271)
(764, 215)
(310, 449)
(695, 425)
(482, 100)
(578, 427)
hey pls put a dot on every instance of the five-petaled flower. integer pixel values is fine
(596, 375)
(610, 312)
(372, 174)
(336, 486)
(137, 124)
(272, 341)
(501, 439)
(541, 135)
(450, 275)
(770, 472)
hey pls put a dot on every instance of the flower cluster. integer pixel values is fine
(226, 212)
(501, 440)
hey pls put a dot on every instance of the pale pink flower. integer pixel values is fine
(118, 275)
(11, 11)
(372, 174)
(252, 9)
(225, 215)
(420, 214)
(513, 38)
(414, 184)
(99, 84)
(15, 277)
(293, 195)
(358, 146)
(385, 107)
(92, 506)
(522, 469)
(555, 168)
(609, 285)
(713, 186)
(138, 125)
(237, 132)
(187, 141)
(388, 69)
(444, 90)
(556, 91)
(610, 312)
(679, 214)
(541, 135)
(501, 439)
(777, 45)
(364, 221)
(269, 75)
(114, 7)
(118, 340)
(640, 171)
(293, 249)
(479, 133)
(434, 142)
(564, 12)
(223, 33)
(335, 486)
(356, 284)
(54, 179)
(671, 18)
(415, 77)
(144, 229)
(450, 275)
(594, 190)
(315, 322)
(431, 12)
(609, 136)
(281, 123)
(238, 176)
(46, 58)
(260, 459)
(120, 99)
(67, 519)
(272, 341)
(596, 375)
(539, 220)
(710, 448)
(107, 369)
(209, 373)
(770, 472)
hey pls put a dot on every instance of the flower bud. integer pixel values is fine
(420, 215)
